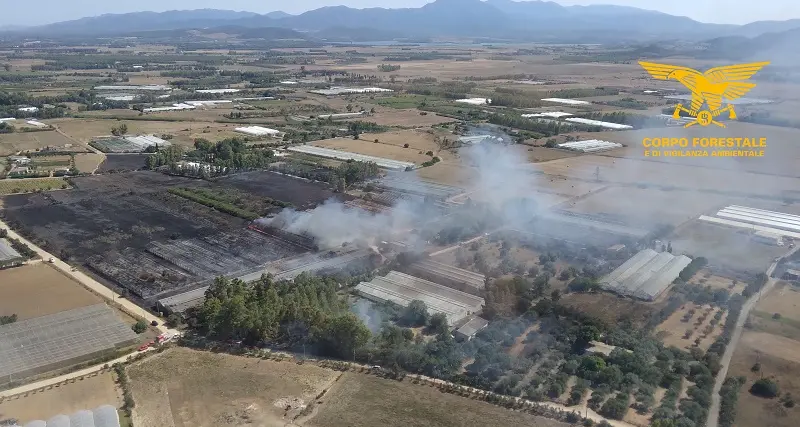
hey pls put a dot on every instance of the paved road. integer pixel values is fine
(713, 411)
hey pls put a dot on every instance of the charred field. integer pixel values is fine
(133, 232)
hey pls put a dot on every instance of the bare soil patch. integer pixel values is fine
(38, 290)
(363, 400)
(88, 162)
(411, 117)
(87, 393)
(781, 347)
(187, 388)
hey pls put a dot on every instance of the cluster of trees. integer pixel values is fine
(164, 157)
(765, 118)
(232, 153)
(729, 394)
(352, 172)
(541, 128)
(120, 130)
(630, 103)
(5, 320)
(190, 74)
(431, 162)
(208, 199)
(305, 310)
(420, 56)
(357, 127)
(696, 265)
(447, 90)
(388, 68)
(6, 128)
(583, 93)
(765, 387)
(18, 246)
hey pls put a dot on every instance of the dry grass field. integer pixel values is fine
(406, 118)
(38, 290)
(706, 277)
(88, 393)
(359, 400)
(674, 331)
(723, 246)
(23, 141)
(187, 388)
(753, 411)
(543, 154)
(777, 313)
(88, 162)
(371, 148)
(85, 130)
(12, 186)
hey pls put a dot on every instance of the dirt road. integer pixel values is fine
(713, 411)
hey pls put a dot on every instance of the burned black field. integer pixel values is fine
(130, 230)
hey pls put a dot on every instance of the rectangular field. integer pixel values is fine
(27, 185)
(359, 400)
(31, 141)
(675, 330)
(88, 393)
(46, 343)
(39, 290)
(186, 388)
(369, 148)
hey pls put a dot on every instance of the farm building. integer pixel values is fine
(259, 131)
(475, 101)
(646, 275)
(550, 114)
(19, 160)
(209, 103)
(757, 220)
(39, 345)
(154, 88)
(37, 123)
(791, 275)
(174, 107)
(7, 252)
(218, 91)
(344, 155)
(567, 101)
(590, 122)
(590, 145)
(346, 91)
(28, 109)
(767, 238)
(104, 416)
(470, 329)
(401, 289)
(447, 275)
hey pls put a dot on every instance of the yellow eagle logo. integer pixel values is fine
(712, 88)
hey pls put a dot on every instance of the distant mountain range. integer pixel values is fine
(494, 19)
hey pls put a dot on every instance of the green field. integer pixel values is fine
(13, 186)
(407, 101)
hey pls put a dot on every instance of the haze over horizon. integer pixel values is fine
(712, 11)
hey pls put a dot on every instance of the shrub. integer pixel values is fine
(765, 387)
(139, 327)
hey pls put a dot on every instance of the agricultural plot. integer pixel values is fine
(182, 387)
(778, 312)
(692, 326)
(39, 290)
(46, 343)
(752, 410)
(90, 392)
(611, 308)
(407, 118)
(88, 162)
(31, 141)
(131, 230)
(27, 185)
(121, 162)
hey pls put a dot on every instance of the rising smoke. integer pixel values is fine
(500, 174)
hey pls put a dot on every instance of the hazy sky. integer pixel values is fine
(46, 11)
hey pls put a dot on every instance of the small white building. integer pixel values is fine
(19, 160)
(28, 109)
(218, 91)
(259, 131)
(475, 101)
